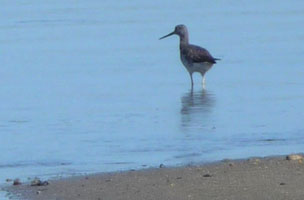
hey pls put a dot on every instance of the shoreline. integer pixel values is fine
(274, 177)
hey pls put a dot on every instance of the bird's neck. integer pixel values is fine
(184, 39)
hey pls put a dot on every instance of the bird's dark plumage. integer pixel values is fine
(194, 58)
(197, 54)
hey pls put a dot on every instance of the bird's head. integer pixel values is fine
(180, 30)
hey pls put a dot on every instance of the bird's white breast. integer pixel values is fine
(202, 67)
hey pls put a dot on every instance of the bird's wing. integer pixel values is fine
(198, 54)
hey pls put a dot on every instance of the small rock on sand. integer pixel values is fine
(254, 160)
(38, 182)
(17, 182)
(294, 157)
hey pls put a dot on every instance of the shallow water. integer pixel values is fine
(88, 87)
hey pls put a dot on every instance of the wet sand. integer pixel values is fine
(250, 179)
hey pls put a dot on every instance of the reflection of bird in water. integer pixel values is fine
(196, 107)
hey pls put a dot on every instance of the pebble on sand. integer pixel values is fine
(38, 182)
(17, 182)
(294, 157)
(161, 166)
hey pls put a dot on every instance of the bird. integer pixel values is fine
(194, 58)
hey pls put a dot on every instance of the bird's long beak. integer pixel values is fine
(167, 35)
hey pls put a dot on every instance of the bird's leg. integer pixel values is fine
(191, 80)
(204, 79)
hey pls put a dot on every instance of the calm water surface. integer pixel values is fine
(87, 86)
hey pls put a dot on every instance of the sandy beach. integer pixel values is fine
(251, 179)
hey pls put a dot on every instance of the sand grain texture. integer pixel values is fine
(253, 179)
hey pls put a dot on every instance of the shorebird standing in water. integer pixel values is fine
(194, 58)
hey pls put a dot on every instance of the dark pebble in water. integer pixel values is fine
(161, 166)
(64, 163)
(179, 177)
(206, 175)
(282, 183)
(17, 182)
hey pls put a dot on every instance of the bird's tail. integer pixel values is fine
(215, 59)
